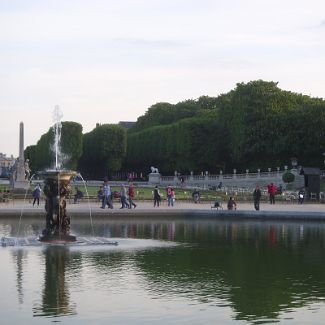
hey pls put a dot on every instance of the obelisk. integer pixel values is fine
(21, 181)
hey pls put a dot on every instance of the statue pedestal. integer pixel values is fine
(154, 178)
(21, 185)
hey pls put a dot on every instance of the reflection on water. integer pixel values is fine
(262, 272)
(55, 296)
(19, 258)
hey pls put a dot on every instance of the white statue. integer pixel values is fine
(27, 169)
(154, 170)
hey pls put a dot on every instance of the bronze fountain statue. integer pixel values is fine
(56, 188)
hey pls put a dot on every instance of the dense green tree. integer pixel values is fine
(43, 154)
(44, 157)
(265, 126)
(71, 140)
(255, 125)
(190, 144)
(103, 150)
(165, 113)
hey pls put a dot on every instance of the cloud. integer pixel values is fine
(150, 43)
(322, 24)
(318, 26)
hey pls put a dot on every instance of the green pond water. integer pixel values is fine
(174, 271)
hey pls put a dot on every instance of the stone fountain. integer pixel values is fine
(56, 188)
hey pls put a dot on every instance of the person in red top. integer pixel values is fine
(271, 189)
(131, 196)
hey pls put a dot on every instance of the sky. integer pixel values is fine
(105, 61)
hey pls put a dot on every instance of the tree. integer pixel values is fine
(189, 144)
(43, 155)
(71, 140)
(29, 153)
(103, 150)
(165, 113)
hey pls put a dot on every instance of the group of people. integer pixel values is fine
(257, 194)
(170, 194)
(126, 195)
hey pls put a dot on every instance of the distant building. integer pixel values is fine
(126, 124)
(5, 164)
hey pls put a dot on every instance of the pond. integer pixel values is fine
(167, 271)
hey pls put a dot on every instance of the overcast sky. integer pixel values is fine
(107, 61)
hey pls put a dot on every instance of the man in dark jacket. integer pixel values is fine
(257, 197)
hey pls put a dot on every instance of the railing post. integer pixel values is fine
(191, 176)
(278, 171)
(175, 178)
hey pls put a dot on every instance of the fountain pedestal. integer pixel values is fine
(56, 188)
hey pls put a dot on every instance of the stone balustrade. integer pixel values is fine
(238, 180)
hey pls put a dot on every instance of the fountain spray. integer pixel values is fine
(57, 116)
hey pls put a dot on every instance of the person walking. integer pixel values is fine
(131, 196)
(123, 197)
(156, 196)
(257, 197)
(107, 196)
(37, 194)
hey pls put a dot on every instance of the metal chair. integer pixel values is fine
(313, 196)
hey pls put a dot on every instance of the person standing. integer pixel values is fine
(196, 196)
(257, 197)
(78, 196)
(232, 204)
(36, 194)
(131, 196)
(156, 197)
(107, 196)
(100, 194)
(173, 196)
(301, 196)
(123, 196)
(170, 199)
(271, 189)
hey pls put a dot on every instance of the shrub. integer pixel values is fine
(288, 177)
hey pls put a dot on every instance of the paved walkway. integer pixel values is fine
(278, 211)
